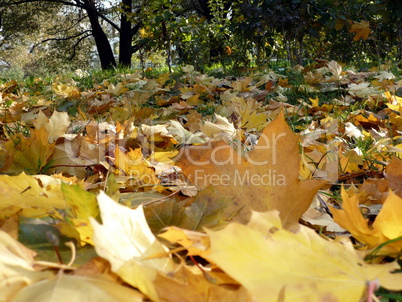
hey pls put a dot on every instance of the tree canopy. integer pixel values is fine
(198, 32)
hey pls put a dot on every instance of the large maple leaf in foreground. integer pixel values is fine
(264, 179)
(274, 264)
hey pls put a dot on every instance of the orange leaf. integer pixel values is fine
(269, 86)
(387, 225)
(361, 29)
(266, 178)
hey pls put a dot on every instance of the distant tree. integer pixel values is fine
(98, 16)
(24, 29)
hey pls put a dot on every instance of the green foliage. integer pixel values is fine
(232, 35)
(36, 39)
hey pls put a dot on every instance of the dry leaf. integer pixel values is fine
(189, 284)
(77, 288)
(387, 225)
(16, 266)
(134, 165)
(29, 154)
(361, 29)
(273, 263)
(28, 193)
(266, 178)
(56, 125)
(126, 241)
(196, 243)
(221, 128)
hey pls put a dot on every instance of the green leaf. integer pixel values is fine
(206, 211)
(34, 237)
(83, 204)
(164, 214)
(112, 188)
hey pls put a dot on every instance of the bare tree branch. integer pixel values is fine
(76, 45)
(77, 21)
(78, 4)
(60, 39)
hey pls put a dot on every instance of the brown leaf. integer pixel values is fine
(185, 285)
(361, 29)
(266, 178)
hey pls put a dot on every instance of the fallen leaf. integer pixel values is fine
(274, 264)
(77, 288)
(165, 213)
(221, 129)
(66, 91)
(191, 285)
(206, 211)
(183, 136)
(266, 178)
(26, 192)
(134, 165)
(82, 205)
(128, 252)
(196, 243)
(56, 125)
(387, 225)
(30, 154)
(112, 188)
(335, 69)
(194, 121)
(350, 162)
(316, 218)
(17, 267)
(116, 90)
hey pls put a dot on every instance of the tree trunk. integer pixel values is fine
(103, 47)
(399, 39)
(126, 36)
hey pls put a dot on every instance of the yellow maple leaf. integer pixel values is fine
(82, 205)
(395, 119)
(220, 128)
(243, 85)
(191, 284)
(247, 112)
(134, 165)
(116, 89)
(361, 29)
(30, 154)
(164, 156)
(387, 225)
(274, 264)
(56, 125)
(394, 101)
(350, 162)
(194, 121)
(35, 197)
(283, 82)
(314, 102)
(196, 243)
(66, 91)
(163, 78)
